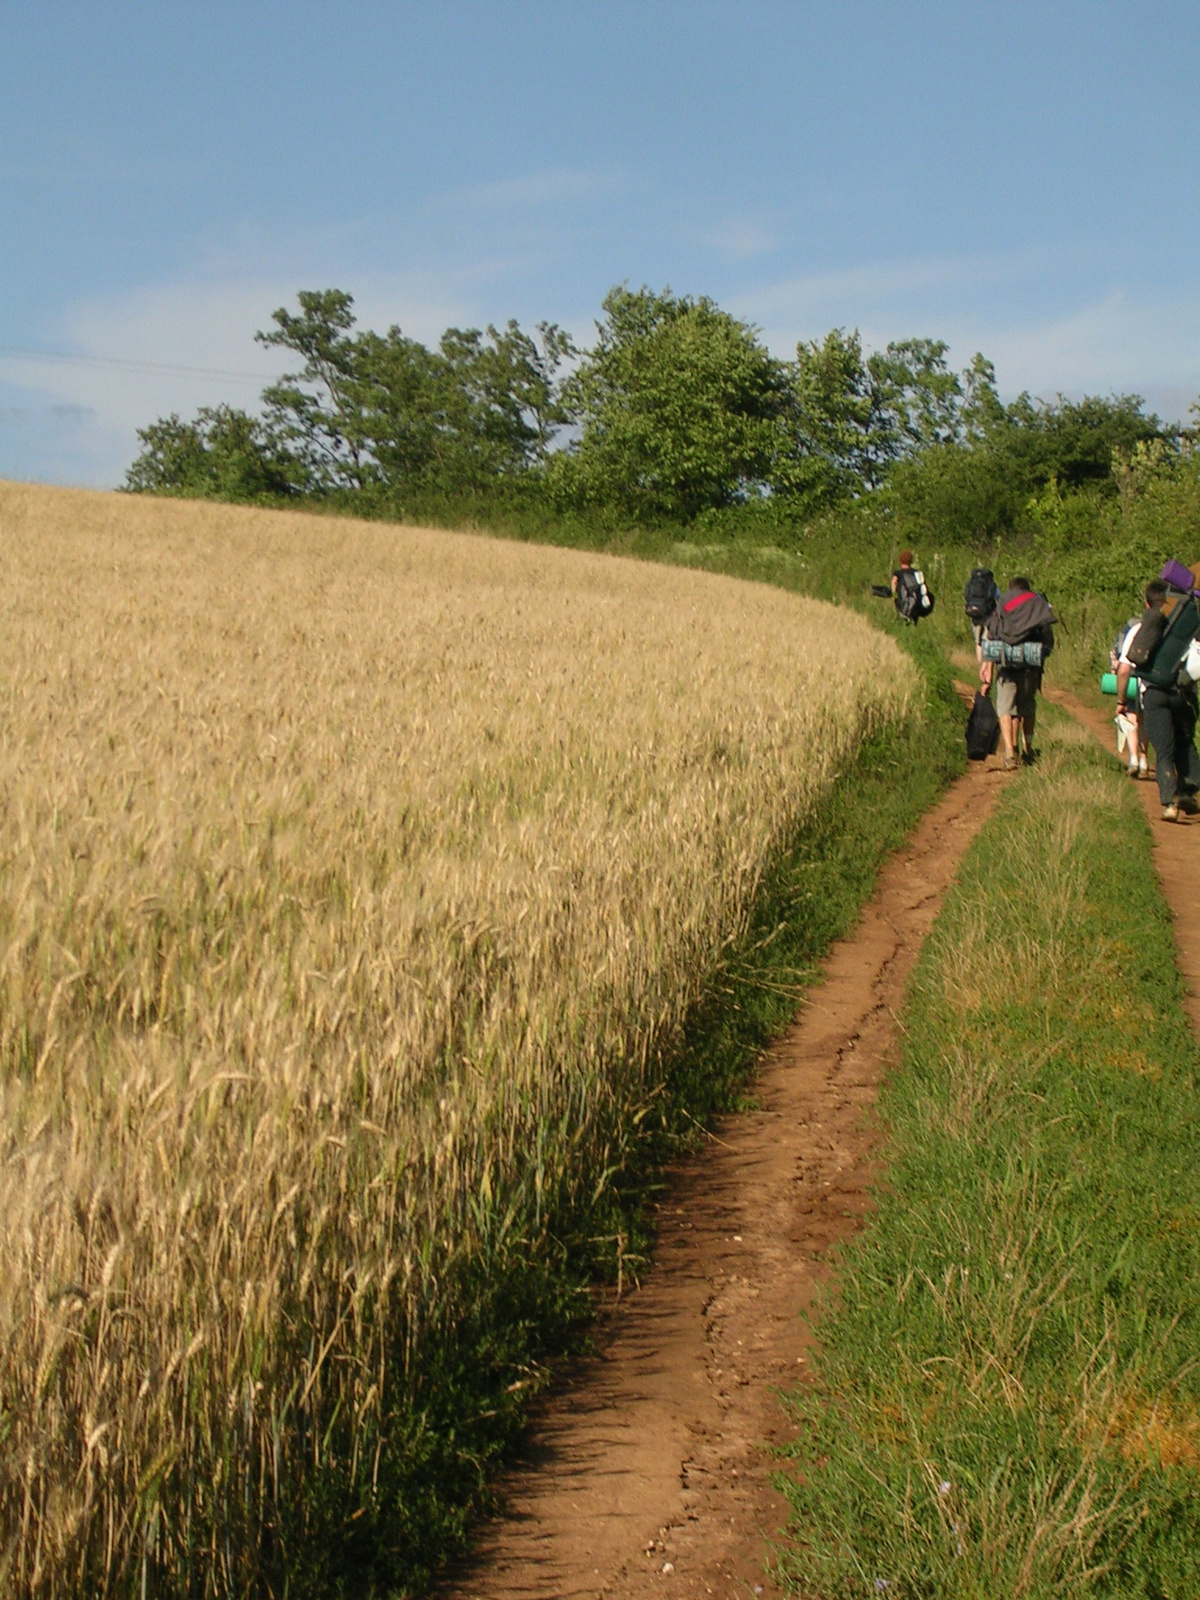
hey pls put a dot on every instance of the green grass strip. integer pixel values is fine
(1008, 1399)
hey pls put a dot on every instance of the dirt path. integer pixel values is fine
(1176, 851)
(648, 1470)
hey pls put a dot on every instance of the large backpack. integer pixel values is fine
(913, 599)
(983, 729)
(980, 594)
(1163, 669)
(1024, 617)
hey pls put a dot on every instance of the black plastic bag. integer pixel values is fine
(983, 729)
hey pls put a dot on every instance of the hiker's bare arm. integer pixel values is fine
(1124, 671)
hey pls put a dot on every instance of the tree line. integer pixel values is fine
(677, 410)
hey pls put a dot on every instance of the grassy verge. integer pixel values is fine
(1008, 1402)
(475, 1382)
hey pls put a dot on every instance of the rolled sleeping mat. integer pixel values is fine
(1179, 577)
(1108, 684)
(1028, 654)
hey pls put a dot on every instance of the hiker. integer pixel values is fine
(1017, 638)
(1130, 735)
(910, 591)
(979, 601)
(1169, 707)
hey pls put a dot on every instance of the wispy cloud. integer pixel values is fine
(741, 238)
(858, 292)
(1116, 342)
(1095, 341)
(1082, 338)
(535, 191)
(179, 346)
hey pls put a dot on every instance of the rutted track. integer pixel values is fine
(648, 1469)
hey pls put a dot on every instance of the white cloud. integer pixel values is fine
(555, 186)
(741, 238)
(1095, 340)
(150, 334)
(799, 307)
(1105, 341)
(1113, 343)
(824, 294)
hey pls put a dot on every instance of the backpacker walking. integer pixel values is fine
(910, 591)
(1017, 639)
(1131, 735)
(979, 601)
(1169, 705)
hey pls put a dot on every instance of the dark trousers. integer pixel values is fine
(1170, 719)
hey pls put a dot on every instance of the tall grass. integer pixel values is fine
(1009, 1400)
(357, 885)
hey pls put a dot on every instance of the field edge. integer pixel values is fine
(527, 1324)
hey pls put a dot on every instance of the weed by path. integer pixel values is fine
(1009, 1402)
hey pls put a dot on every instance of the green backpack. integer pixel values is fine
(1182, 627)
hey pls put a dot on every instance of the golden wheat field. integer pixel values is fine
(355, 880)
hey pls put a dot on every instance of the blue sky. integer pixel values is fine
(1017, 178)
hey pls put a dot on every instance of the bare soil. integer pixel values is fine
(648, 1469)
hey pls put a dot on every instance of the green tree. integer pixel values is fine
(831, 418)
(916, 401)
(509, 401)
(1071, 440)
(538, 386)
(954, 493)
(408, 411)
(956, 486)
(383, 412)
(1048, 468)
(982, 409)
(855, 417)
(322, 412)
(223, 454)
(680, 409)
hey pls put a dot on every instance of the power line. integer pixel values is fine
(127, 364)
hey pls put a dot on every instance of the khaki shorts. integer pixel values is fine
(1016, 692)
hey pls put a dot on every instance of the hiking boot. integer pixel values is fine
(1028, 757)
(1170, 812)
(1010, 763)
(1133, 769)
(1143, 768)
(1188, 804)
